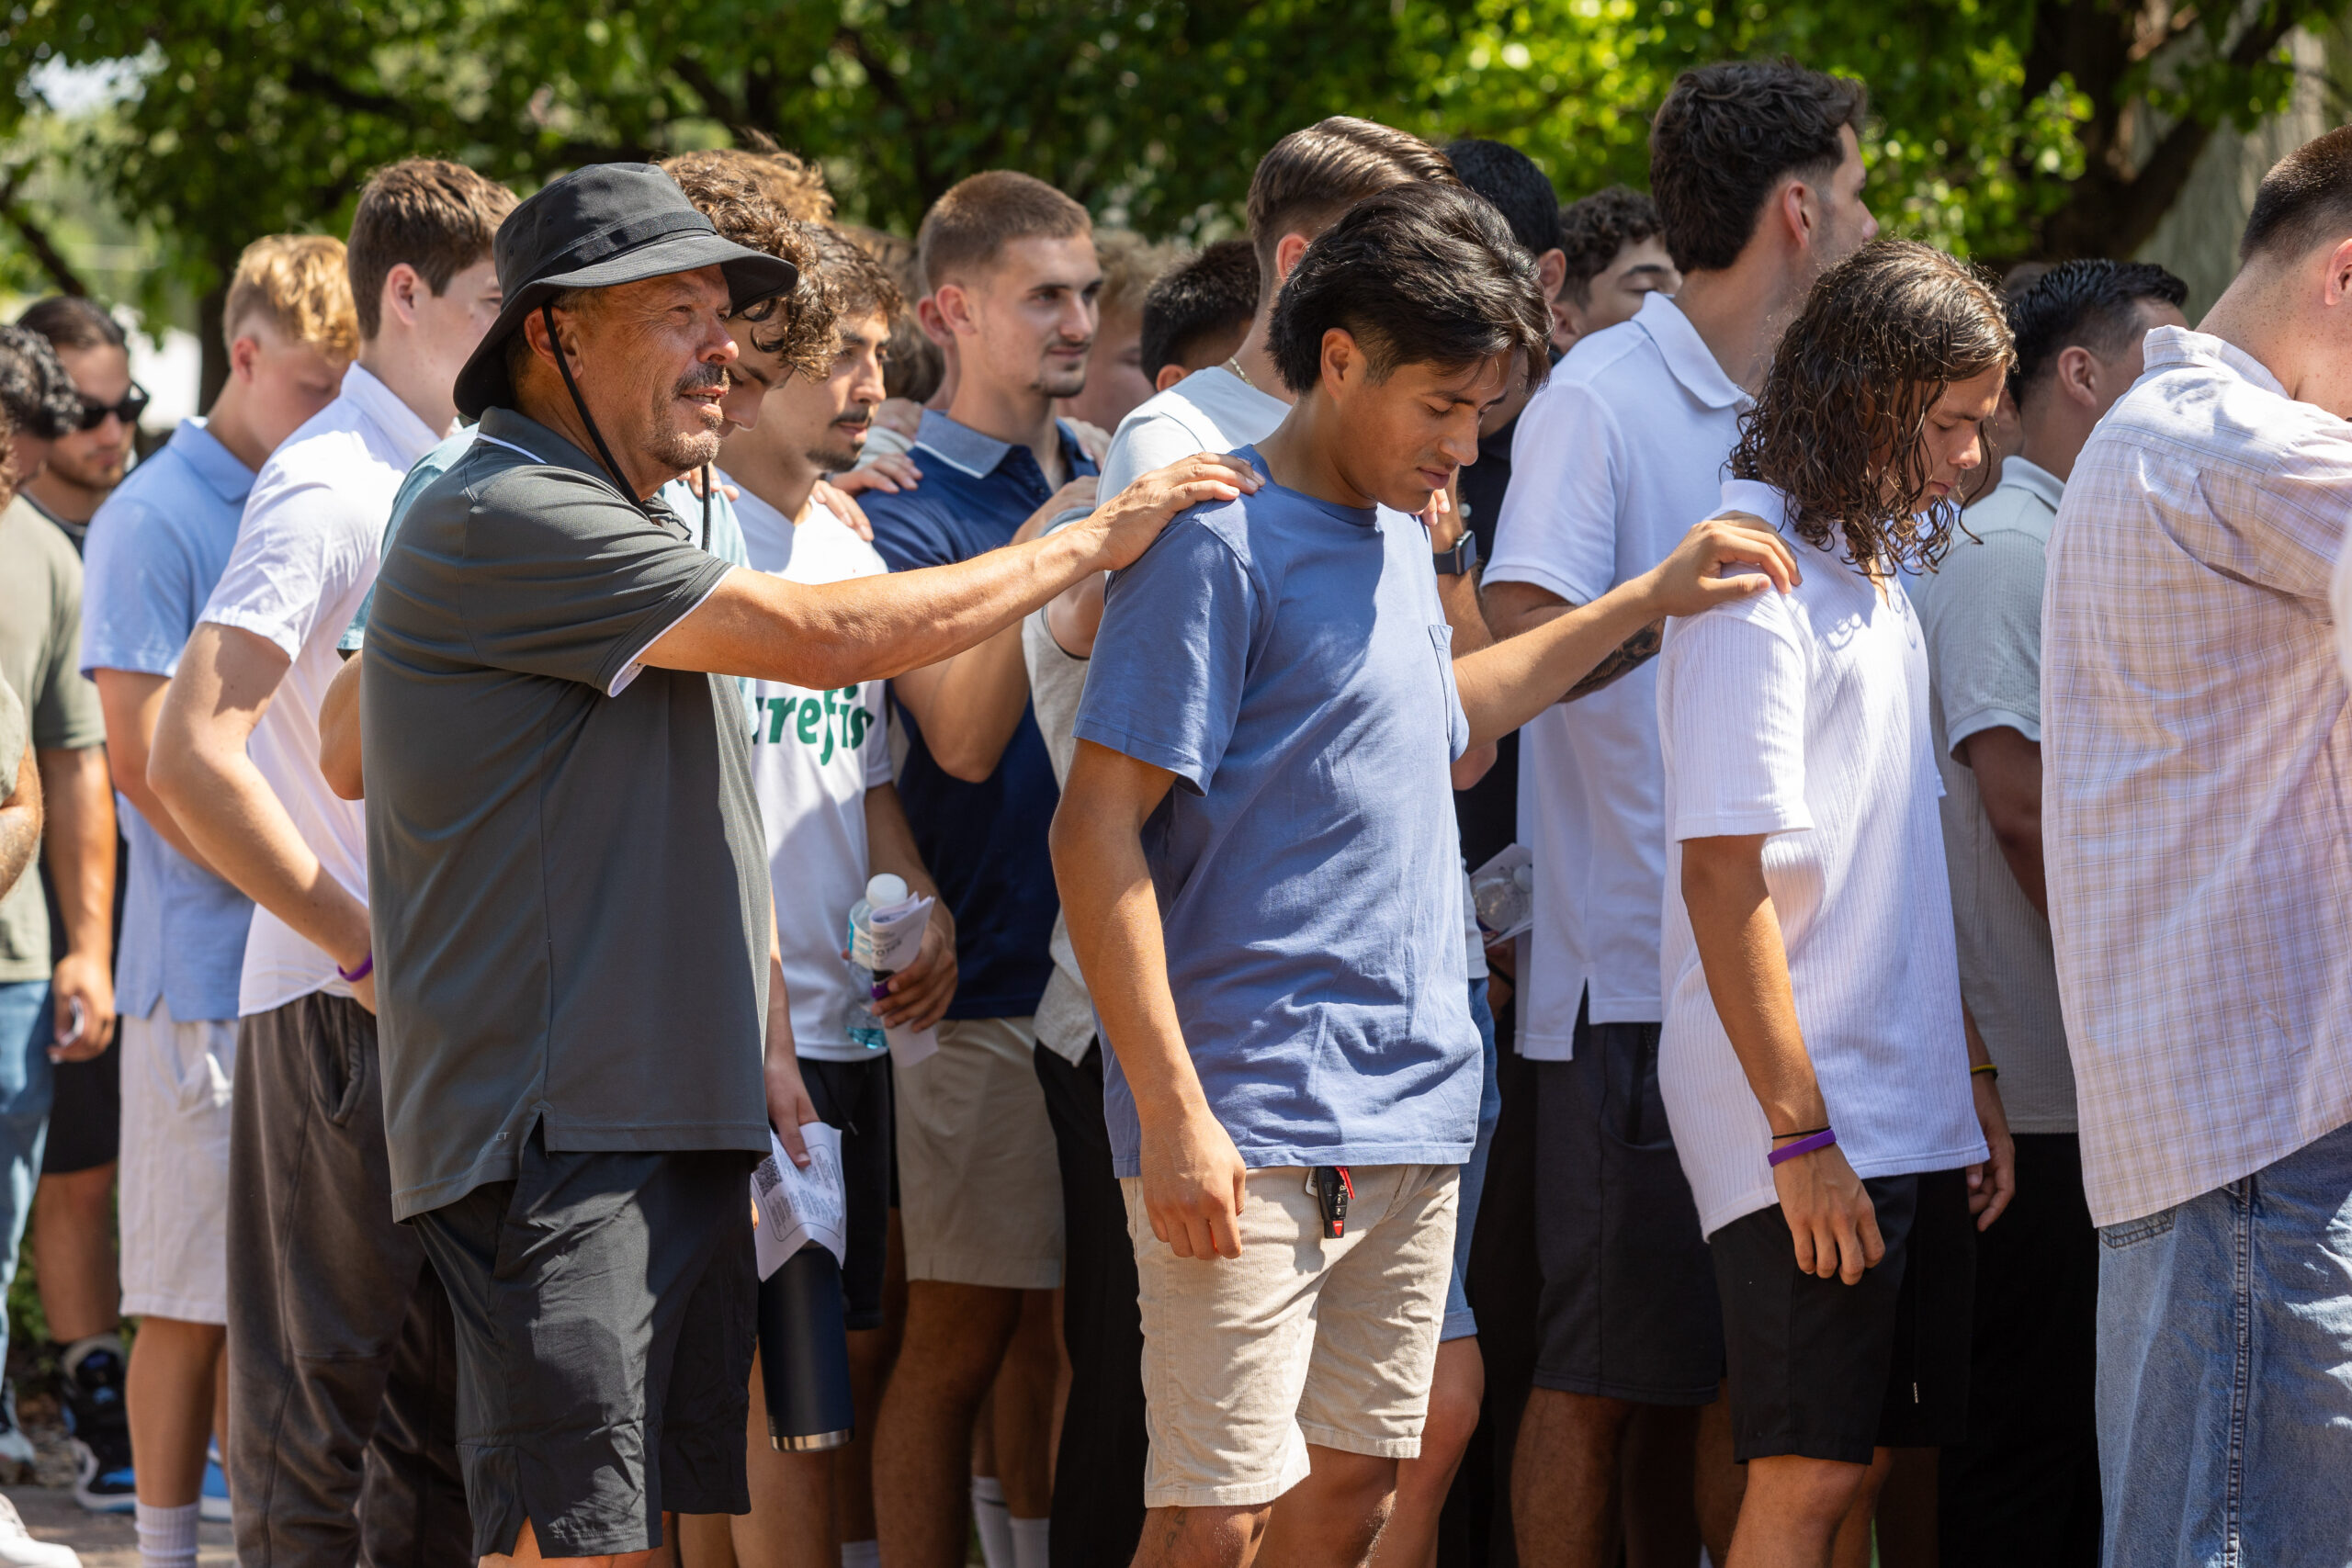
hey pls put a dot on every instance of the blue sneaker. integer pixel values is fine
(99, 1421)
(214, 1502)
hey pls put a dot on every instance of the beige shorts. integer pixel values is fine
(177, 1081)
(979, 1182)
(1300, 1341)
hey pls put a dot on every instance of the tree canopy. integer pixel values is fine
(2002, 128)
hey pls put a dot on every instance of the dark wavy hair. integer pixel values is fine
(1420, 274)
(1841, 426)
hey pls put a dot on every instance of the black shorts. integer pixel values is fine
(854, 1096)
(605, 1306)
(1629, 1308)
(1829, 1370)
(85, 1116)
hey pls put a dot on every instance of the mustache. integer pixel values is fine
(856, 419)
(702, 377)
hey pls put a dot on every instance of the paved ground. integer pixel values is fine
(105, 1541)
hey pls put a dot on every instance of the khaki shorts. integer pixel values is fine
(1299, 1340)
(979, 1182)
(177, 1081)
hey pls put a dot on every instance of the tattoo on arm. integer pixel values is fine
(1628, 656)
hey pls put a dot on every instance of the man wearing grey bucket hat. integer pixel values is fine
(570, 878)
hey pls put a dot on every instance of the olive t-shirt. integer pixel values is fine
(566, 870)
(40, 649)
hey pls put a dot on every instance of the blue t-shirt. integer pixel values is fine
(156, 547)
(1289, 660)
(985, 844)
(713, 524)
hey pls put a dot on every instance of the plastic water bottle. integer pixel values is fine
(1505, 897)
(883, 892)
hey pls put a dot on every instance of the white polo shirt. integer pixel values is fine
(1804, 716)
(306, 553)
(1619, 454)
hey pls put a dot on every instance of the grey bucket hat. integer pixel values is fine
(605, 224)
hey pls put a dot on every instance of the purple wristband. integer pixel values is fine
(366, 967)
(1820, 1140)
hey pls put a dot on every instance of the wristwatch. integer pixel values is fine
(1458, 561)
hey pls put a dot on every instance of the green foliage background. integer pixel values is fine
(246, 115)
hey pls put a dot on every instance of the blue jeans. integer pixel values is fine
(26, 1086)
(1461, 1322)
(2225, 1373)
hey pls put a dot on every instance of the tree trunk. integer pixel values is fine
(215, 373)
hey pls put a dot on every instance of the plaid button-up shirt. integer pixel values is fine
(2196, 754)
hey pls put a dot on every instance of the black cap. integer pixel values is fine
(605, 224)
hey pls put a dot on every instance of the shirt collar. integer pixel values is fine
(962, 448)
(2035, 481)
(2168, 346)
(1687, 355)
(214, 464)
(410, 436)
(517, 435)
(1756, 497)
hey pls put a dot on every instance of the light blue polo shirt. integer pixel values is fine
(1289, 661)
(156, 547)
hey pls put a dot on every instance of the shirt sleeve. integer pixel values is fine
(1142, 445)
(139, 589)
(559, 578)
(1164, 685)
(2292, 545)
(1558, 525)
(1985, 640)
(1732, 714)
(65, 712)
(302, 546)
(909, 533)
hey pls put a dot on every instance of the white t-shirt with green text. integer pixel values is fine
(814, 755)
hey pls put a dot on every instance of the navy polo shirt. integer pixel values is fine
(984, 843)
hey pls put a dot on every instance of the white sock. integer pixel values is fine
(994, 1521)
(1029, 1542)
(861, 1554)
(167, 1536)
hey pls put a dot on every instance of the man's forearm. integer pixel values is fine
(81, 839)
(131, 700)
(890, 841)
(867, 628)
(1746, 965)
(1112, 914)
(20, 824)
(1505, 684)
(969, 707)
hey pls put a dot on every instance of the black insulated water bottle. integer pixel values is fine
(804, 1354)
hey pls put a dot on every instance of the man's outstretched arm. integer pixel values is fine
(1192, 1176)
(969, 707)
(870, 628)
(1506, 684)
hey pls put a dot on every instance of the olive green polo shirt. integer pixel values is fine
(566, 870)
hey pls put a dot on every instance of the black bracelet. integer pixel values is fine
(1808, 1133)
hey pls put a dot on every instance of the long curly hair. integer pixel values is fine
(1841, 426)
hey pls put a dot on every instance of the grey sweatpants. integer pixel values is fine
(342, 1351)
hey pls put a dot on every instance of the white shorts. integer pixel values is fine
(175, 1194)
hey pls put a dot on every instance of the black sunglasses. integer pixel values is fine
(134, 403)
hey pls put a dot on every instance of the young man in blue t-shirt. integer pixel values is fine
(1288, 1031)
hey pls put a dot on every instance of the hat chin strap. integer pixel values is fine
(603, 453)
